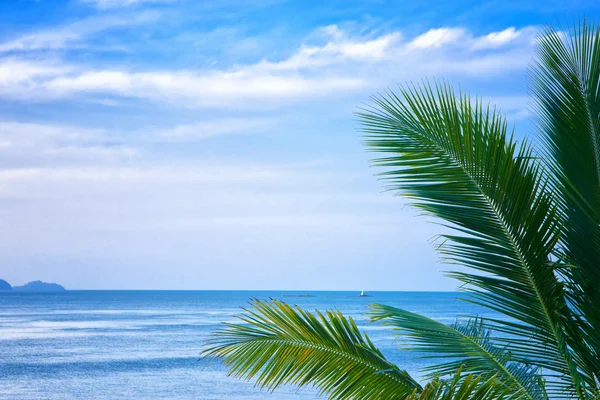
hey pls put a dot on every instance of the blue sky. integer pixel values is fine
(179, 144)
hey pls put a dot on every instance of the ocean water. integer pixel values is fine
(146, 344)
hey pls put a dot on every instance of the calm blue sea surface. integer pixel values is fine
(145, 344)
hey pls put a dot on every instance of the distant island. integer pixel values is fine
(35, 286)
(5, 286)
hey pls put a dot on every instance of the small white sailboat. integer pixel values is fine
(362, 293)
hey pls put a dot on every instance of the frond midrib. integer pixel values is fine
(510, 237)
(588, 109)
(496, 361)
(531, 281)
(337, 352)
(488, 355)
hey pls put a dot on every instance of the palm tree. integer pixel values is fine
(525, 220)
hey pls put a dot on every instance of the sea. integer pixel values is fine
(147, 344)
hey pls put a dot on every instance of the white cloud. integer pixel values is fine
(335, 52)
(345, 63)
(59, 38)
(200, 89)
(106, 4)
(436, 38)
(502, 38)
(340, 47)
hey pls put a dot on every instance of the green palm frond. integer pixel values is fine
(467, 387)
(525, 223)
(566, 88)
(455, 160)
(279, 344)
(467, 346)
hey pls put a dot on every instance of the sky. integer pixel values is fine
(183, 144)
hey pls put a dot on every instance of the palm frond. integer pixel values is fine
(468, 387)
(566, 88)
(467, 346)
(278, 344)
(455, 160)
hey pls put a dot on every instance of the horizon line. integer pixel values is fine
(247, 290)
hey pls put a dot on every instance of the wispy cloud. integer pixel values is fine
(75, 33)
(345, 63)
(21, 78)
(14, 71)
(220, 127)
(27, 145)
(218, 195)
